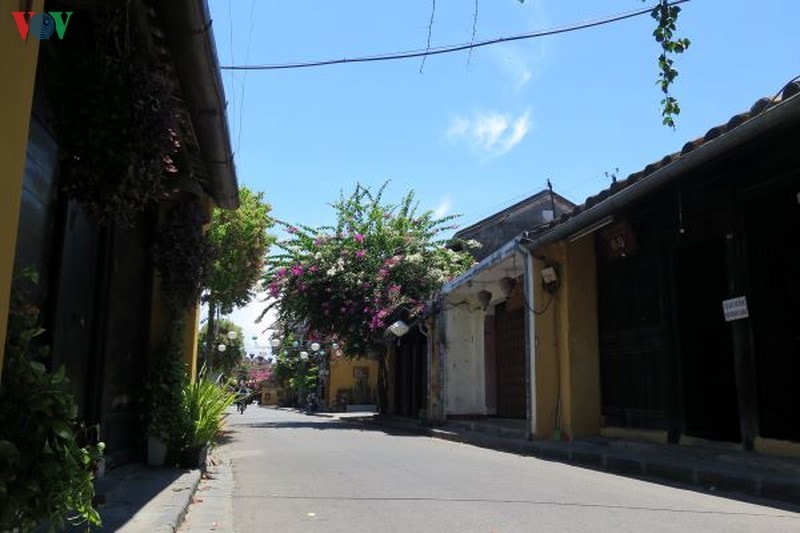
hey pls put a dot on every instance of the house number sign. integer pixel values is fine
(735, 308)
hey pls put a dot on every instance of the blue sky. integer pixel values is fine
(473, 134)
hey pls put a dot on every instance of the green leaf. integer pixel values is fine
(8, 451)
(61, 429)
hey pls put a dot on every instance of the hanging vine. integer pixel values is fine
(183, 255)
(116, 122)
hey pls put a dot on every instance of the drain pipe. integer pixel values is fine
(530, 340)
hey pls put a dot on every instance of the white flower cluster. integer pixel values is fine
(337, 267)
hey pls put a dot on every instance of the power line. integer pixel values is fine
(451, 48)
(244, 78)
(430, 32)
(233, 83)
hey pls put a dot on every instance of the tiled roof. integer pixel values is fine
(735, 121)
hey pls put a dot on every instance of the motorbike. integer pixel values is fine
(312, 404)
(241, 402)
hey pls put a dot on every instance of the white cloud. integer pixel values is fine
(459, 127)
(490, 134)
(443, 209)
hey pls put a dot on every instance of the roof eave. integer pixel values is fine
(187, 28)
(776, 116)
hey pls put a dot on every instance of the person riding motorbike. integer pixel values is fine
(242, 397)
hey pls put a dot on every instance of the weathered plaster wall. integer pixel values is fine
(437, 328)
(465, 392)
(18, 72)
(567, 354)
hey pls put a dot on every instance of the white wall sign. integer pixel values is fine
(735, 308)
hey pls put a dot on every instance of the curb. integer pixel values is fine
(184, 499)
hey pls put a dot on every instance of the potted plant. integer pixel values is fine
(204, 405)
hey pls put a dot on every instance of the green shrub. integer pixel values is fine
(167, 420)
(46, 469)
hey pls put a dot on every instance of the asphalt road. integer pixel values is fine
(287, 472)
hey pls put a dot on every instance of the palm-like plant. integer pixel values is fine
(205, 403)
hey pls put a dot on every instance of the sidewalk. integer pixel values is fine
(135, 498)
(733, 473)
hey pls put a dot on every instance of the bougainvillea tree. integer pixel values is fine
(379, 263)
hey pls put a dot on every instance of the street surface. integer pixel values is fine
(283, 471)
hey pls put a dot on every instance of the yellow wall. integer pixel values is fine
(341, 376)
(567, 355)
(18, 73)
(583, 388)
(642, 435)
(270, 395)
(777, 447)
(190, 335)
(547, 345)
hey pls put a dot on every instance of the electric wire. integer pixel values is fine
(430, 32)
(244, 77)
(450, 48)
(474, 31)
(233, 79)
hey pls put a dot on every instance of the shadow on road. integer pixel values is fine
(329, 425)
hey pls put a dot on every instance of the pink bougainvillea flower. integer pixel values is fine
(313, 269)
(382, 273)
(360, 253)
(393, 261)
(376, 323)
(358, 237)
(281, 273)
(291, 229)
(273, 290)
(297, 270)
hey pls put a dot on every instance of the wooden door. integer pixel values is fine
(510, 361)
